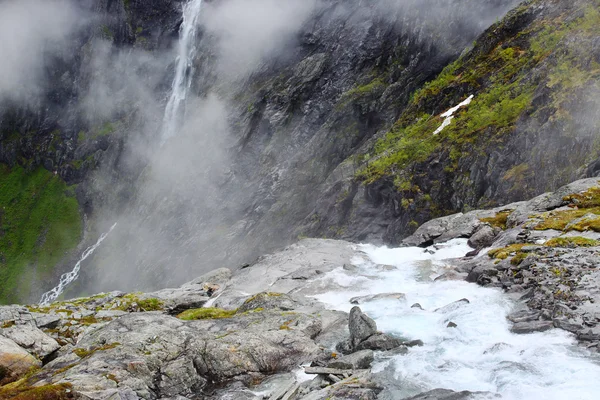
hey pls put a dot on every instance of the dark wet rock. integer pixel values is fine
(569, 325)
(361, 326)
(413, 343)
(417, 305)
(531, 326)
(375, 297)
(523, 316)
(379, 341)
(358, 360)
(451, 325)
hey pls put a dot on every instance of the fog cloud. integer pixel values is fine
(31, 31)
(249, 32)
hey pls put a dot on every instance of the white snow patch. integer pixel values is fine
(449, 115)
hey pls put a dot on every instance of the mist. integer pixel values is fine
(250, 32)
(32, 32)
(196, 202)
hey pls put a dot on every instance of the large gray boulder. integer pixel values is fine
(32, 339)
(14, 359)
(361, 326)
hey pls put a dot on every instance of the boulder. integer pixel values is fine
(379, 341)
(359, 360)
(14, 359)
(361, 326)
(32, 339)
(484, 236)
(531, 326)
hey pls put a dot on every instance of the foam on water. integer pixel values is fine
(481, 354)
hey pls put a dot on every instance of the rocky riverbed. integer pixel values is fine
(488, 303)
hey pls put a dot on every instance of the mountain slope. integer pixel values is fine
(531, 127)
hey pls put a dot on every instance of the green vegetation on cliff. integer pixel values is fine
(503, 74)
(39, 224)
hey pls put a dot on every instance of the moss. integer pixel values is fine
(206, 313)
(8, 324)
(83, 353)
(497, 105)
(574, 241)
(40, 222)
(132, 302)
(503, 85)
(107, 33)
(262, 294)
(499, 220)
(559, 220)
(62, 391)
(518, 258)
(504, 252)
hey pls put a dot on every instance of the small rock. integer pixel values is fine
(483, 237)
(417, 305)
(592, 334)
(531, 326)
(359, 360)
(451, 325)
(413, 343)
(379, 341)
(523, 316)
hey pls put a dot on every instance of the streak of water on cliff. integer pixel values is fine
(67, 278)
(480, 354)
(184, 69)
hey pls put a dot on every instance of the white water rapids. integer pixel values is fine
(67, 278)
(481, 354)
(184, 70)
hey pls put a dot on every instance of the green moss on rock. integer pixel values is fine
(206, 313)
(574, 241)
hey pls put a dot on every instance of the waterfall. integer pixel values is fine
(69, 277)
(183, 69)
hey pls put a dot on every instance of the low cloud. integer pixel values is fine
(31, 33)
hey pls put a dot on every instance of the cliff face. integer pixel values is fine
(328, 134)
(530, 128)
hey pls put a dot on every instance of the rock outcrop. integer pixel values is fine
(544, 251)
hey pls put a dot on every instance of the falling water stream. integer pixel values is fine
(184, 69)
(480, 354)
(67, 278)
(171, 122)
